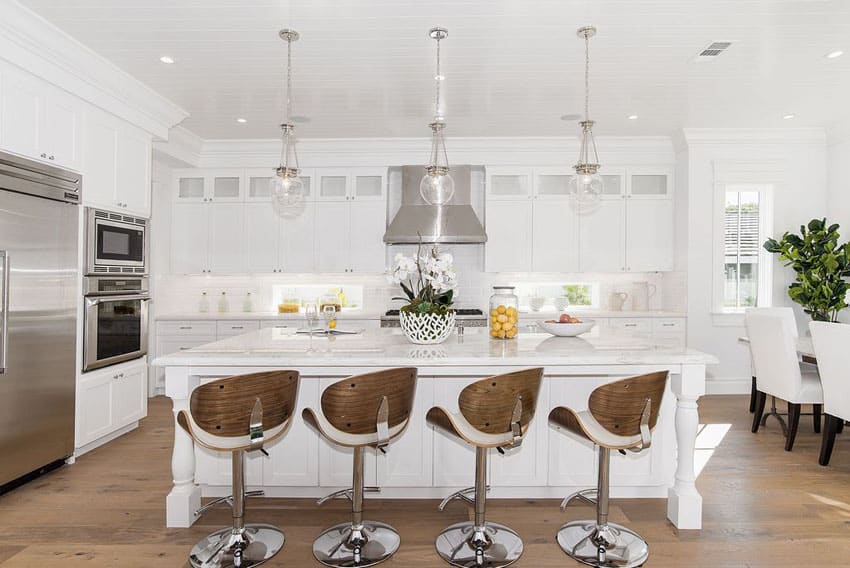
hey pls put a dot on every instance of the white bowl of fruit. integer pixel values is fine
(566, 326)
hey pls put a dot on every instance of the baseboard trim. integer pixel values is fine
(108, 438)
(729, 385)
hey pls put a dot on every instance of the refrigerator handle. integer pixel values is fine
(4, 308)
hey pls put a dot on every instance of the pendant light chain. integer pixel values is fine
(437, 79)
(586, 77)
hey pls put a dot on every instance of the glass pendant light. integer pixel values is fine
(287, 189)
(586, 185)
(437, 186)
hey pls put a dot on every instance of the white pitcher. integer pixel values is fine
(641, 293)
(616, 301)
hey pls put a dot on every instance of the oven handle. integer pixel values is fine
(93, 301)
(4, 306)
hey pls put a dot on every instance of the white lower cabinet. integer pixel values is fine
(525, 466)
(409, 458)
(454, 459)
(336, 464)
(293, 458)
(572, 461)
(110, 399)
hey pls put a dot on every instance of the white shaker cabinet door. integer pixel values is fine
(189, 238)
(293, 459)
(94, 406)
(509, 236)
(527, 465)
(336, 463)
(61, 130)
(454, 459)
(332, 236)
(21, 107)
(367, 225)
(649, 235)
(130, 393)
(133, 191)
(555, 237)
(262, 225)
(100, 159)
(226, 250)
(409, 461)
(298, 240)
(601, 238)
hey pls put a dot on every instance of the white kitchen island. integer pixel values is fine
(427, 464)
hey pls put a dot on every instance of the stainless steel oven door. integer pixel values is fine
(116, 329)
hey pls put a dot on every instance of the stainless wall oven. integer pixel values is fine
(116, 320)
(115, 243)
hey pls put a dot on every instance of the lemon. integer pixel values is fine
(512, 319)
(332, 324)
(494, 312)
(511, 311)
(501, 309)
(507, 326)
(502, 318)
(497, 326)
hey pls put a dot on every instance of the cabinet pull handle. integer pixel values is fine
(668, 324)
(630, 325)
(237, 327)
(185, 327)
(184, 348)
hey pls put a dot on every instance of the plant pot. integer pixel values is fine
(427, 329)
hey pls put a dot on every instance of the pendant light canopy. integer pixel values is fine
(586, 185)
(437, 186)
(287, 189)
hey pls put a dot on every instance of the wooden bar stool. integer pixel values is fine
(240, 414)
(494, 413)
(362, 411)
(621, 417)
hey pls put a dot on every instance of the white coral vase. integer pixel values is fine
(427, 329)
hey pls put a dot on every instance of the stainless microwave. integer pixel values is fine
(115, 243)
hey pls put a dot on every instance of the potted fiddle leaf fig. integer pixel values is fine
(822, 266)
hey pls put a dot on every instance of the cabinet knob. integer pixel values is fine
(50, 158)
(44, 155)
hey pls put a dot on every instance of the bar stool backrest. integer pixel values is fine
(618, 406)
(223, 407)
(772, 344)
(488, 404)
(351, 405)
(832, 349)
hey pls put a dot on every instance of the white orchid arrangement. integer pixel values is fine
(428, 280)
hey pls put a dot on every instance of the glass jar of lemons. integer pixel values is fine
(504, 313)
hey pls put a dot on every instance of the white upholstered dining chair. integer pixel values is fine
(787, 314)
(831, 342)
(774, 351)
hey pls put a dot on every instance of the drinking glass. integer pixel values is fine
(312, 315)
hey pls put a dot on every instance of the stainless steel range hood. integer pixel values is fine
(452, 223)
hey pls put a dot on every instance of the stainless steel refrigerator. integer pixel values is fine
(39, 295)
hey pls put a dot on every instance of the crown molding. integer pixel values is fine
(761, 136)
(183, 148)
(32, 43)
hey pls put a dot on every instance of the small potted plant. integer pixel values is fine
(428, 281)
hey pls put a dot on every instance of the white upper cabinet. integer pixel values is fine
(644, 183)
(602, 237)
(332, 230)
(351, 184)
(133, 189)
(39, 121)
(507, 183)
(555, 237)
(226, 185)
(649, 235)
(258, 184)
(189, 238)
(509, 236)
(367, 225)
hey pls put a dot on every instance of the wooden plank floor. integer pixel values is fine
(763, 507)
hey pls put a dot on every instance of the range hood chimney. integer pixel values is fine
(452, 223)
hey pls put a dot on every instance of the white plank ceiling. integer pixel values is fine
(364, 68)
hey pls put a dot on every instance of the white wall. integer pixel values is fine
(838, 184)
(801, 197)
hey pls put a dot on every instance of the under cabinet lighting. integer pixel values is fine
(166, 59)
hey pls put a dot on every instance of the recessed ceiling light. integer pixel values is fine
(834, 54)
(788, 116)
(241, 120)
(570, 117)
(633, 117)
(166, 59)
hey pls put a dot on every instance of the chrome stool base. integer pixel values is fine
(227, 548)
(614, 546)
(345, 546)
(463, 545)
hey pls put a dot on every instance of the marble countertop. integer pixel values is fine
(388, 347)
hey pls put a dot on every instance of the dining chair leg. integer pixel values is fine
(753, 394)
(830, 428)
(793, 422)
(761, 398)
(817, 410)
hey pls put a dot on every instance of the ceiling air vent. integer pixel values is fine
(714, 49)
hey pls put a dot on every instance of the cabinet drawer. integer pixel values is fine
(668, 325)
(280, 324)
(185, 328)
(168, 345)
(235, 327)
(631, 324)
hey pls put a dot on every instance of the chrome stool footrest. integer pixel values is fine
(463, 495)
(608, 546)
(227, 499)
(231, 548)
(583, 495)
(362, 545)
(347, 493)
(489, 546)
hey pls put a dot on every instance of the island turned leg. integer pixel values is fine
(185, 497)
(684, 503)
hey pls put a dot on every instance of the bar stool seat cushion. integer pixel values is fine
(583, 424)
(226, 443)
(809, 392)
(322, 425)
(457, 425)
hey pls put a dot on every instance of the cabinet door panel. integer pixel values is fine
(293, 459)
(454, 459)
(367, 225)
(94, 406)
(649, 235)
(331, 233)
(601, 238)
(226, 238)
(262, 227)
(298, 240)
(61, 131)
(21, 118)
(134, 164)
(336, 463)
(189, 238)
(554, 237)
(100, 160)
(509, 236)
(525, 466)
(130, 394)
(409, 459)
